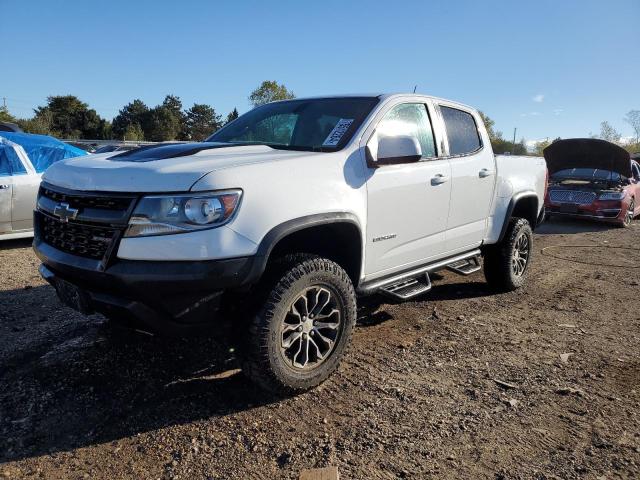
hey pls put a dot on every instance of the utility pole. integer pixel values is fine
(4, 103)
(514, 136)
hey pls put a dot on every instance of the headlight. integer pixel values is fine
(164, 215)
(612, 196)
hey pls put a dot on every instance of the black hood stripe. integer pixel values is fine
(149, 153)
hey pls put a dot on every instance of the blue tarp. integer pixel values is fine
(10, 163)
(42, 150)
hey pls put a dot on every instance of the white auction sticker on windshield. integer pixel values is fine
(338, 131)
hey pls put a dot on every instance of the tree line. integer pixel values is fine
(68, 117)
(607, 132)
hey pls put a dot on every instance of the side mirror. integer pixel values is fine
(395, 150)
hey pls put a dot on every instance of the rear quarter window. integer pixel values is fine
(462, 131)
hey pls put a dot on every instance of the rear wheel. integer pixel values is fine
(506, 263)
(302, 330)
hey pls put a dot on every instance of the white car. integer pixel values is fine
(19, 183)
(279, 220)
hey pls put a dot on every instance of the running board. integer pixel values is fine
(406, 289)
(466, 266)
(373, 286)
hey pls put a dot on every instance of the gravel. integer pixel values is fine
(462, 383)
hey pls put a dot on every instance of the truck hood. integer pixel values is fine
(159, 168)
(587, 153)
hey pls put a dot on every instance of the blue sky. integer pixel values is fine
(549, 68)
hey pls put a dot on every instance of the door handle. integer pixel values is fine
(4, 187)
(439, 179)
(484, 173)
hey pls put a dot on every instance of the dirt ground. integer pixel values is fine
(464, 383)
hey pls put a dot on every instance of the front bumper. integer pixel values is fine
(169, 297)
(605, 211)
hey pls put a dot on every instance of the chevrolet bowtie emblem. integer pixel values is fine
(65, 212)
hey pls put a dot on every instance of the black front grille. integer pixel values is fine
(93, 230)
(88, 201)
(78, 239)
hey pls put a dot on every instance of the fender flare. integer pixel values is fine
(512, 205)
(277, 233)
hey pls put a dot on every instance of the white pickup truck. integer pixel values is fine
(280, 219)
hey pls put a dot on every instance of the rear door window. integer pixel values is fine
(462, 131)
(10, 163)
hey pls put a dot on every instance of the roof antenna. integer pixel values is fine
(414, 88)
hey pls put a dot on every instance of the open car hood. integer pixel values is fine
(587, 153)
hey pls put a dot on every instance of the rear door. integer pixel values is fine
(407, 204)
(473, 177)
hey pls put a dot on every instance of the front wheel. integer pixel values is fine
(506, 263)
(629, 214)
(300, 334)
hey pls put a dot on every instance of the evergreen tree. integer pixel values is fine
(132, 114)
(201, 121)
(232, 116)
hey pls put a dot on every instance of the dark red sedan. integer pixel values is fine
(593, 179)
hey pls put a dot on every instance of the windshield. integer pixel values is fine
(587, 174)
(324, 124)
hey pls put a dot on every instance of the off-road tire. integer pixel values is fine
(285, 280)
(499, 258)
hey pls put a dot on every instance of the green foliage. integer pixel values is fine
(632, 147)
(608, 133)
(201, 121)
(129, 119)
(133, 132)
(540, 146)
(5, 116)
(489, 124)
(38, 125)
(232, 116)
(269, 91)
(633, 118)
(499, 144)
(162, 125)
(68, 117)
(166, 121)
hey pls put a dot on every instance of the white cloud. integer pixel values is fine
(531, 114)
(539, 98)
(557, 111)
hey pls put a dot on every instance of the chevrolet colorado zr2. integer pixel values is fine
(281, 219)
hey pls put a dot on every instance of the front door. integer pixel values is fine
(5, 203)
(473, 178)
(408, 204)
